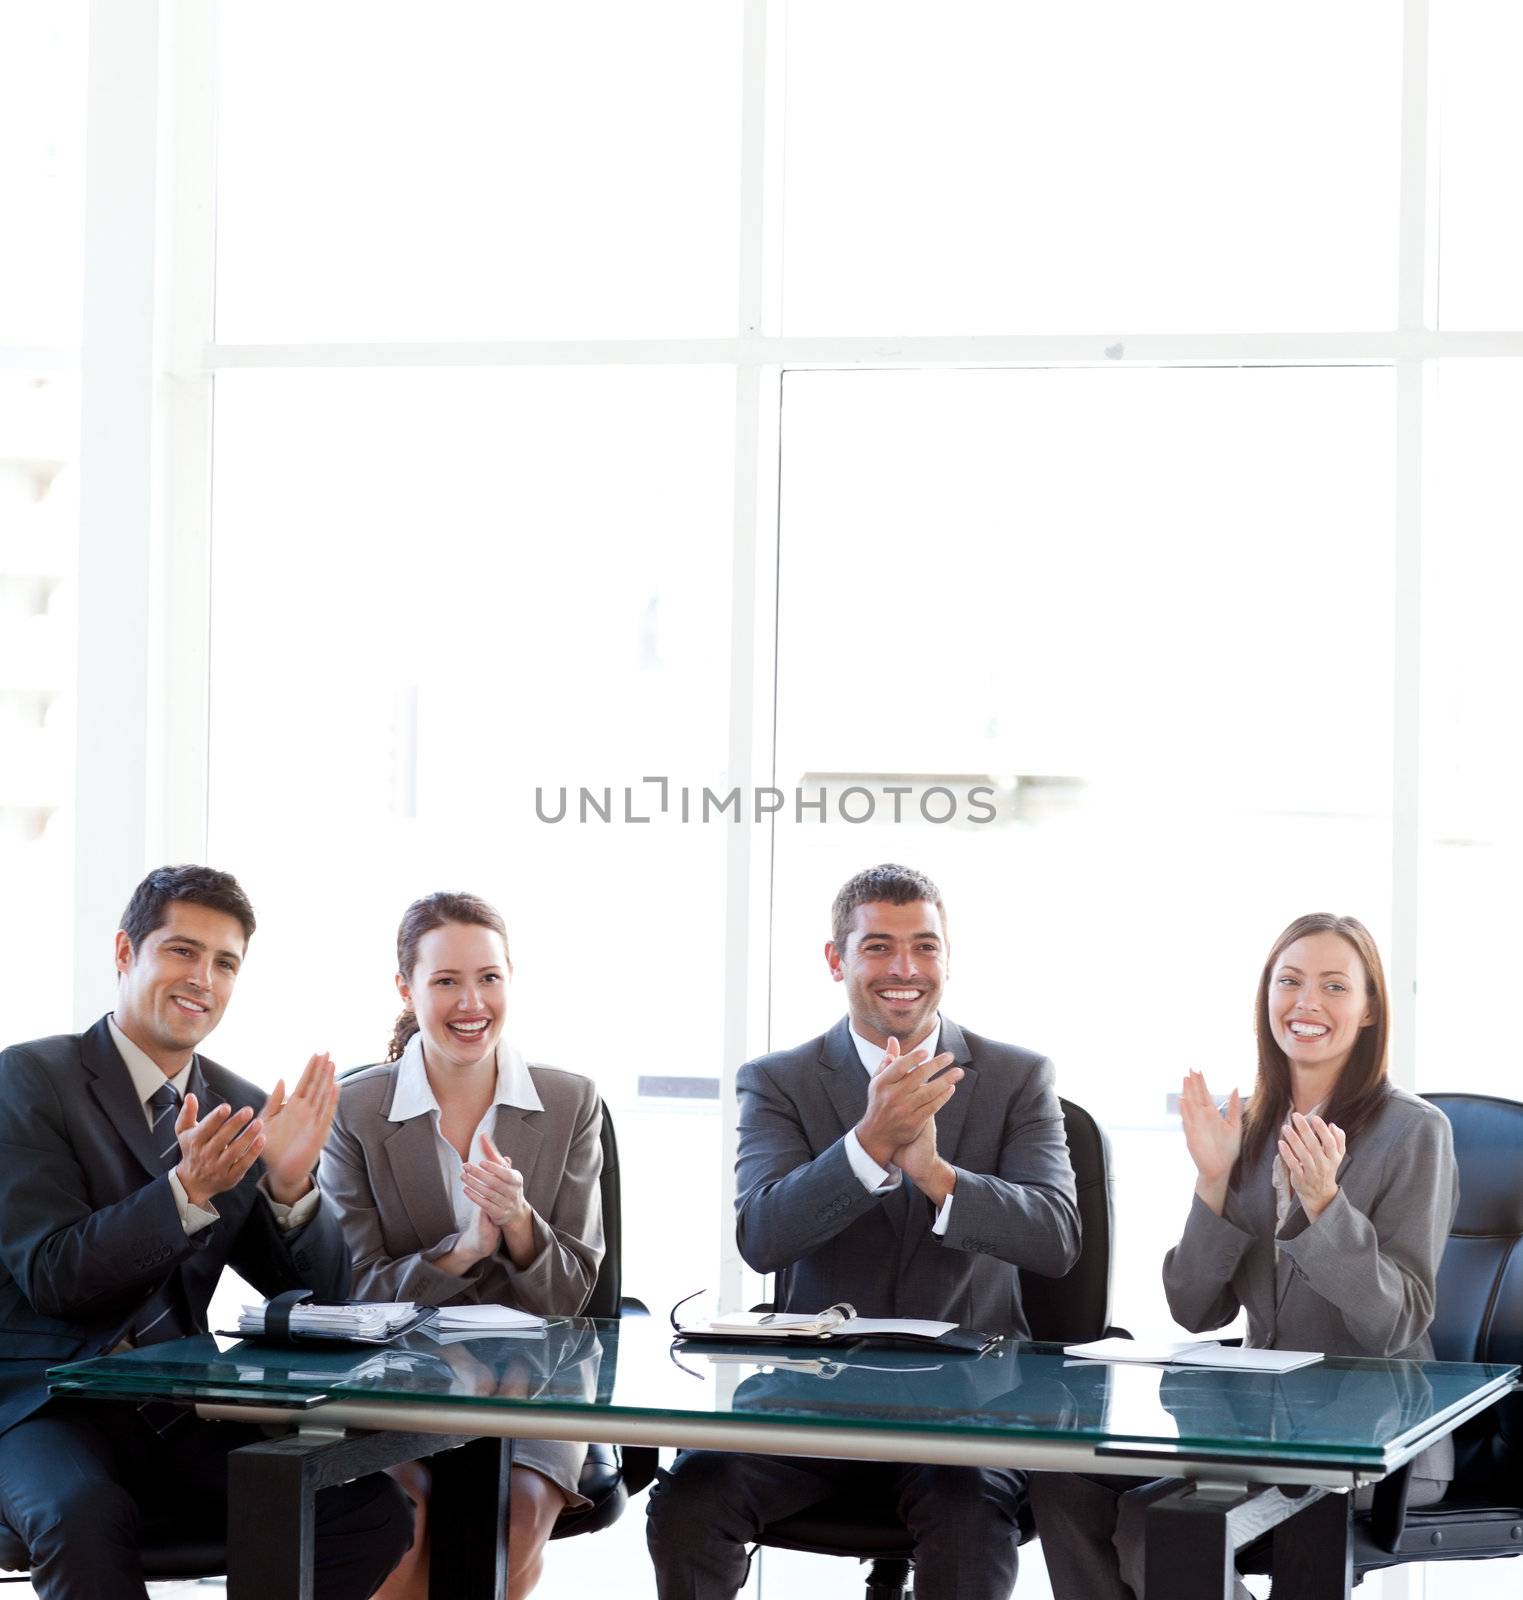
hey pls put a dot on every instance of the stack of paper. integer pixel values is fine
(1194, 1353)
(486, 1320)
(372, 1320)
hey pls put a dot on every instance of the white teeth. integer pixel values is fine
(468, 1027)
(189, 1005)
(1307, 1030)
(900, 994)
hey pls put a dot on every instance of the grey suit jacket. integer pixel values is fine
(803, 1213)
(383, 1178)
(88, 1222)
(1357, 1282)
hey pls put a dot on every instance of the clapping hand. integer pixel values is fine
(296, 1129)
(1214, 1139)
(1312, 1151)
(901, 1098)
(217, 1151)
(495, 1184)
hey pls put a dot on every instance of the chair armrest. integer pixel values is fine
(630, 1307)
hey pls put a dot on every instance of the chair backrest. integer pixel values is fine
(1076, 1306)
(1479, 1311)
(609, 1286)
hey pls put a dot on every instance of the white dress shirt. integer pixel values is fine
(147, 1079)
(415, 1096)
(884, 1180)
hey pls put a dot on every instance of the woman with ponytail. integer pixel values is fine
(464, 1175)
(1320, 1209)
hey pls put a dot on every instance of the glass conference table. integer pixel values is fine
(1317, 1433)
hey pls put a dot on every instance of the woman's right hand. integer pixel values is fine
(477, 1240)
(1213, 1139)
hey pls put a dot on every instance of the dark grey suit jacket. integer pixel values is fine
(88, 1222)
(804, 1214)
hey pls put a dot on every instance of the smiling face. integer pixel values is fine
(171, 991)
(1318, 1001)
(458, 990)
(894, 967)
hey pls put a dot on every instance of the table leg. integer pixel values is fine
(1314, 1551)
(271, 1486)
(1194, 1532)
(468, 1519)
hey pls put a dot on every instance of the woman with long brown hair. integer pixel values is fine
(464, 1175)
(1321, 1210)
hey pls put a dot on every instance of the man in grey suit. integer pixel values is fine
(132, 1170)
(910, 1167)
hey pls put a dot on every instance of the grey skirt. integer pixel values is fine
(561, 1463)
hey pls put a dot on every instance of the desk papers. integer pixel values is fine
(1194, 1353)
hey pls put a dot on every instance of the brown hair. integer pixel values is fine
(148, 909)
(888, 884)
(423, 916)
(1362, 1085)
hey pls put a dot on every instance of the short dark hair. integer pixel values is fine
(888, 882)
(437, 910)
(148, 909)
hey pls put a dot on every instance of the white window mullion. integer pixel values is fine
(1415, 299)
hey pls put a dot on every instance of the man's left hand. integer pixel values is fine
(296, 1129)
(922, 1164)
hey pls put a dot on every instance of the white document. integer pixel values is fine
(486, 1319)
(1194, 1353)
(816, 1325)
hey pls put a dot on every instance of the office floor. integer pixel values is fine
(614, 1564)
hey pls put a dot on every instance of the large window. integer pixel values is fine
(1103, 414)
(42, 128)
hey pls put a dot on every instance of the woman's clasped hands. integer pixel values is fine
(1312, 1151)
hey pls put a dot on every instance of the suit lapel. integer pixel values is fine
(111, 1084)
(517, 1137)
(413, 1157)
(844, 1079)
(951, 1117)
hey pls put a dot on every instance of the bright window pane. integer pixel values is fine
(1472, 764)
(434, 595)
(42, 170)
(397, 170)
(1151, 610)
(1480, 281)
(1097, 166)
(39, 529)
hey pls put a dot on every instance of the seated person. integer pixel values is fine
(463, 1175)
(134, 1170)
(911, 1168)
(1322, 1210)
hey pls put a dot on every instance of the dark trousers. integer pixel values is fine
(964, 1521)
(79, 1482)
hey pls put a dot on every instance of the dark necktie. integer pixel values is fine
(159, 1316)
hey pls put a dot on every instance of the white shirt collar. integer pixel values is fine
(872, 1054)
(415, 1095)
(147, 1075)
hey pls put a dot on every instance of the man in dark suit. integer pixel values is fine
(911, 1168)
(132, 1171)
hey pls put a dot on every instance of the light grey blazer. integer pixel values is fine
(1357, 1282)
(383, 1179)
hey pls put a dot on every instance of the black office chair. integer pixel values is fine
(610, 1476)
(1072, 1308)
(1479, 1317)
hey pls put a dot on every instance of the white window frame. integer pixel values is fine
(149, 364)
